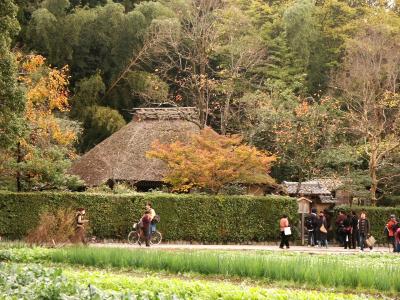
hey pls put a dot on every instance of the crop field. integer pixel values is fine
(107, 273)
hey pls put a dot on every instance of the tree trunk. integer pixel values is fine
(18, 174)
(225, 116)
(373, 165)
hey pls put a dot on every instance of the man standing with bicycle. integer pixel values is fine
(152, 227)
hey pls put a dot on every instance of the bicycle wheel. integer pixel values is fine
(156, 238)
(133, 237)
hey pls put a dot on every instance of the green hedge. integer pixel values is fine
(391, 201)
(213, 219)
(378, 217)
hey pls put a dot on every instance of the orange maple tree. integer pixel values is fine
(210, 161)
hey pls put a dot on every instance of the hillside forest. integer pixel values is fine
(313, 82)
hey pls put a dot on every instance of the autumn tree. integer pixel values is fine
(210, 161)
(369, 86)
(43, 155)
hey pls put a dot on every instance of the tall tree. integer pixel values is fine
(12, 103)
(369, 86)
(45, 152)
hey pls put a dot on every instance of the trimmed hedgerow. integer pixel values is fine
(378, 218)
(202, 218)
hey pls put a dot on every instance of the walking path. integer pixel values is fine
(298, 249)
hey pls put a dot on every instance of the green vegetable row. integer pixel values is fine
(321, 271)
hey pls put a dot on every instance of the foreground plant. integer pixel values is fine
(321, 271)
(35, 282)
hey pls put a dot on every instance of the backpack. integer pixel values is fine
(309, 223)
(156, 219)
(386, 231)
(395, 227)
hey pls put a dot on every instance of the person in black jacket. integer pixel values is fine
(354, 232)
(340, 234)
(348, 228)
(322, 230)
(364, 230)
(312, 225)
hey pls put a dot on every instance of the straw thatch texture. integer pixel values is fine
(122, 156)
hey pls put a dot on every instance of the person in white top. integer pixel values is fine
(152, 227)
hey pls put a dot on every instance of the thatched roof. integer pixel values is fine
(122, 156)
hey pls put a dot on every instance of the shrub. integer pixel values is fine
(390, 201)
(378, 217)
(53, 228)
(202, 218)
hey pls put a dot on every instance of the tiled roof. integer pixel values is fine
(306, 188)
(165, 113)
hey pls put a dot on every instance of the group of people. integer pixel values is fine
(147, 225)
(316, 225)
(351, 231)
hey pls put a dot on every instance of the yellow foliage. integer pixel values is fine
(47, 93)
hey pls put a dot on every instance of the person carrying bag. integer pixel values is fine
(285, 231)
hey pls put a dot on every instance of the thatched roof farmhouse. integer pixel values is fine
(122, 156)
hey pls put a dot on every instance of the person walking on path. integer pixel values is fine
(322, 230)
(348, 228)
(391, 229)
(364, 230)
(80, 232)
(283, 224)
(354, 230)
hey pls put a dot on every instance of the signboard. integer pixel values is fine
(304, 205)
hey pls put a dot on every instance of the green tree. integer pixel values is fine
(98, 124)
(368, 86)
(12, 103)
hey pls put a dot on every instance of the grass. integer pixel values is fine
(372, 272)
(33, 281)
(188, 289)
(333, 271)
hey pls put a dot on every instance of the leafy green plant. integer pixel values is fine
(325, 271)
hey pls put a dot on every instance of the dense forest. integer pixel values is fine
(315, 83)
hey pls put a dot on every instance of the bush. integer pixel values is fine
(53, 228)
(390, 201)
(378, 217)
(202, 218)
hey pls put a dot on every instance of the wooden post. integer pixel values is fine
(304, 208)
(302, 228)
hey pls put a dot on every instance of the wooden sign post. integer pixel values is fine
(304, 208)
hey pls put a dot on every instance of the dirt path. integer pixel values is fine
(304, 249)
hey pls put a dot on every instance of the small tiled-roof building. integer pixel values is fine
(122, 156)
(324, 193)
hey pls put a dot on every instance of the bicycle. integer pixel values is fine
(134, 236)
